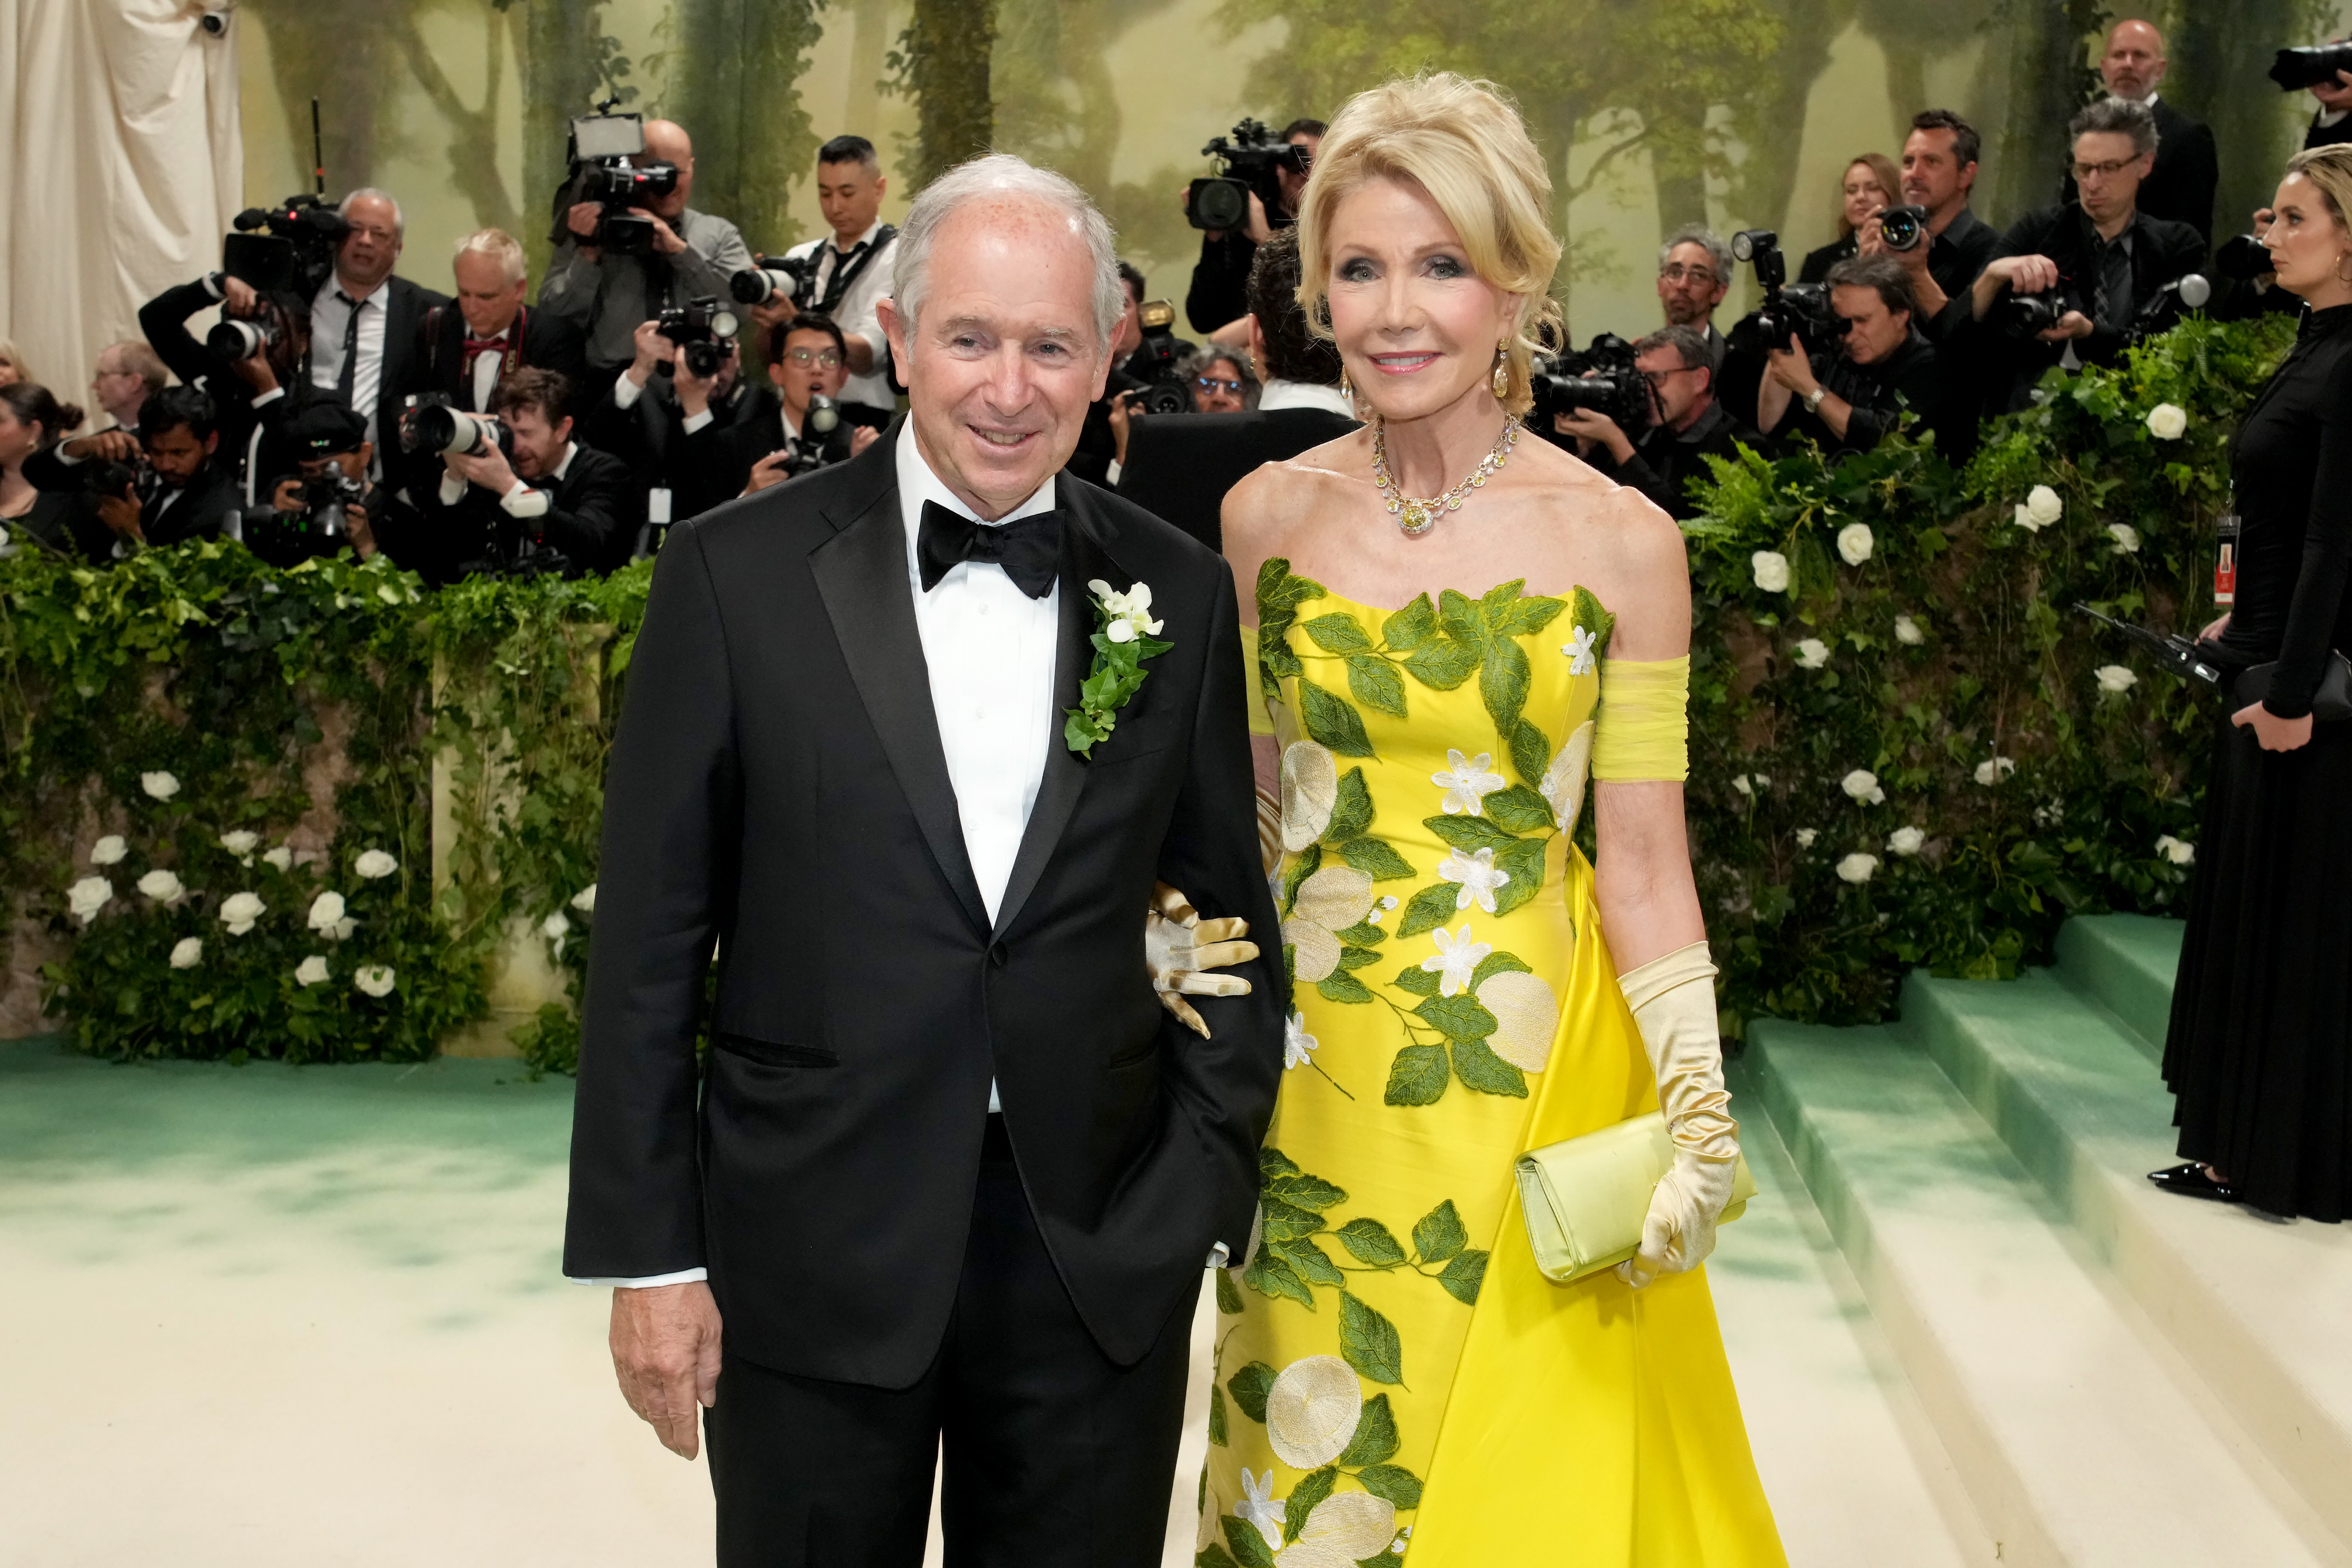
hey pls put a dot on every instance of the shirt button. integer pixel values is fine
(983, 609)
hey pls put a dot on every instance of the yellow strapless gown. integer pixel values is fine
(1396, 1382)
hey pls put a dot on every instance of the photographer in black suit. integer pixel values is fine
(367, 325)
(811, 362)
(550, 506)
(646, 416)
(186, 494)
(1219, 295)
(491, 333)
(2179, 188)
(1688, 424)
(328, 501)
(1179, 466)
(1845, 400)
(247, 390)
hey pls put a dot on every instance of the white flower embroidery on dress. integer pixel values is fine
(1477, 875)
(1457, 958)
(1312, 1411)
(1467, 784)
(1298, 1044)
(1579, 649)
(1343, 1529)
(1329, 902)
(1258, 1506)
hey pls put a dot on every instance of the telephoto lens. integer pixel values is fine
(773, 277)
(1903, 227)
(2294, 70)
(438, 428)
(234, 340)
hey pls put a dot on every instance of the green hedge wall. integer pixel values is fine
(1906, 750)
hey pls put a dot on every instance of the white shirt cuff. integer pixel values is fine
(211, 280)
(522, 502)
(626, 391)
(452, 487)
(1110, 476)
(1219, 1257)
(272, 395)
(67, 458)
(696, 421)
(683, 1277)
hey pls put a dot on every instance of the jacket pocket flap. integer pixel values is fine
(777, 1053)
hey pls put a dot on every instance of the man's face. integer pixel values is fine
(850, 195)
(119, 390)
(1218, 389)
(1006, 355)
(1933, 175)
(1873, 331)
(1689, 285)
(2108, 173)
(2134, 62)
(1294, 182)
(372, 248)
(667, 143)
(485, 298)
(177, 456)
(1129, 335)
(538, 446)
(1677, 395)
(812, 366)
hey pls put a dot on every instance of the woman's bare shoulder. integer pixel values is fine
(1640, 570)
(1271, 510)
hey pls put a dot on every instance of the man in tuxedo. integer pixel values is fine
(465, 353)
(547, 505)
(300, 521)
(247, 390)
(1179, 466)
(950, 1173)
(367, 325)
(2179, 189)
(192, 494)
(810, 361)
(648, 413)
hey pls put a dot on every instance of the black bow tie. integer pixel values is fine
(1030, 550)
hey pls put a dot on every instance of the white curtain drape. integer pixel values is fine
(122, 166)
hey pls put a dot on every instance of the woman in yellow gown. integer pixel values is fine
(1395, 1379)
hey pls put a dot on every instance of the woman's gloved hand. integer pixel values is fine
(1673, 999)
(1179, 945)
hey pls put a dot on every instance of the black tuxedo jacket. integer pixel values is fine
(721, 457)
(778, 788)
(592, 517)
(549, 342)
(1179, 466)
(405, 308)
(249, 450)
(650, 438)
(205, 507)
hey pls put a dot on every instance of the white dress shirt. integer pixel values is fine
(990, 648)
(330, 315)
(485, 368)
(1280, 394)
(855, 311)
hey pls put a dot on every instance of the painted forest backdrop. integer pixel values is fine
(1740, 113)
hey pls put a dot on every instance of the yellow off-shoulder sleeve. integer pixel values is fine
(1642, 729)
(1261, 722)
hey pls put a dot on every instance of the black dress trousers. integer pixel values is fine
(1053, 1455)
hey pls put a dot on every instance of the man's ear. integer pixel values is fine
(1706, 387)
(367, 454)
(896, 329)
(212, 443)
(1257, 346)
(563, 430)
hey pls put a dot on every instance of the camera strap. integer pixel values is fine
(846, 273)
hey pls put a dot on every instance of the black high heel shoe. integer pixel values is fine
(2192, 1182)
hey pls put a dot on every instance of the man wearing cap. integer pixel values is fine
(329, 502)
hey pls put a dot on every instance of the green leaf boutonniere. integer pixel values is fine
(1123, 640)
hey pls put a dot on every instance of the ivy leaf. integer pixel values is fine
(1503, 683)
(1495, 963)
(1229, 1296)
(1461, 619)
(1215, 1556)
(1311, 1490)
(1410, 627)
(1443, 663)
(1418, 980)
(1273, 1162)
(1337, 633)
(1351, 809)
(1250, 1550)
(1369, 1241)
(1296, 1187)
(1249, 1388)
(1392, 1482)
(1375, 858)
(1270, 1276)
(1363, 933)
(1374, 682)
(1313, 1264)
(1417, 1077)
(1594, 619)
(1464, 1275)
(1439, 1234)
(1470, 833)
(1495, 606)
(1308, 861)
(1457, 1017)
(1341, 986)
(1368, 1342)
(1524, 859)
(1217, 1416)
(1477, 1065)
(1428, 908)
(1278, 590)
(1376, 1434)
(1332, 721)
(1352, 957)
(1286, 1221)
(1531, 753)
(1529, 616)
(1518, 809)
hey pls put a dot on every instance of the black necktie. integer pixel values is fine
(349, 378)
(1030, 550)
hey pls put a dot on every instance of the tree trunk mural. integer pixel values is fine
(740, 99)
(942, 60)
(2219, 57)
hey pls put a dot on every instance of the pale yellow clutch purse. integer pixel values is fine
(1585, 1198)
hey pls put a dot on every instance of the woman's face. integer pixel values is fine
(17, 439)
(1864, 199)
(9, 374)
(2306, 242)
(1416, 328)
(1217, 389)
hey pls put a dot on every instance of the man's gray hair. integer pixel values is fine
(2115, 117)
(1000, 176)
(399, 222)
(1688, 346)
(1699, 234)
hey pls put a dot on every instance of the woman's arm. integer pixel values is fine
(1649, 903)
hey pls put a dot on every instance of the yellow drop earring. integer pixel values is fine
(1502, 381)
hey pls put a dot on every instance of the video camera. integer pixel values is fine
(431, 423)
(1158, 362)
(609, 167)
(703, 332)
(1798, 309)
(769, 276)
(290, 248)
(1602, 379)
(1250, 162)
(2314, 66)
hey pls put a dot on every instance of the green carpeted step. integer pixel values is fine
(2126, 964)
(2072, 1437)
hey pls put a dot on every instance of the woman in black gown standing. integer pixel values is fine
(2259, 1054)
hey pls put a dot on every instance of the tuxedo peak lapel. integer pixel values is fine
(861, 574)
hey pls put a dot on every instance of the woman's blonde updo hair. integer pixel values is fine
(2330, 169)
(1463, 142)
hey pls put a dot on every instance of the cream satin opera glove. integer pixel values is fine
(1673, 999)
(1179, 946)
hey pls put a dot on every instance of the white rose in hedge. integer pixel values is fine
(282, 858)
(1995, 770)
(2043, 505)
(187, 951)
(161, 785)
(2174, 850)
(1812, 653)
(312, 971)
(1771, 570)
(1906, 841)
(109, 850)
(2167, 421)
(2025, 519)
(1805, 837)
(239, 911)
(89, 896)
(1854, 543)
(1862, 784)
(2125, 536)
(374, 863)
(586, 899)
(374, 979)
(160, 886)
(1739, 782)
(2113, 677)
(326, 911)
(555, 928)
(1857, 867)
(1907, 632)
(241, 844)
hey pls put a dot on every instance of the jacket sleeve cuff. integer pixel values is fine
(522, 502)
(683, 1277)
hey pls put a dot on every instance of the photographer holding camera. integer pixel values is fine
(808, 431)
(329, 500)
(686, 375)
(492, 333)
(1687, 424)
(689, 255)
(2331, 123)
(246, 366)
(2086, 280)
(1937, 238)
(1870, 185)
(177, 490)
(528, 498)
(1847, 400)
(1267, 174)
(840, 278)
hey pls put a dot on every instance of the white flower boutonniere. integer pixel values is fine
(1123, 639)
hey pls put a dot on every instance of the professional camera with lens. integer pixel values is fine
(817, 426)
(1904, 228)
(431, 423)
(1601, 380)
(703, 331)
(325, 496)
(1249, 162)
(609, 167)
(233, 339)
(1159, 362)
(2027, 315)
(1801, 310)
(132, 480)
(2294, 70)
(2241, 258)
(290, 248)
(772, 278)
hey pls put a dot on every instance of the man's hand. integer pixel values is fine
(778, 310)
(2025, 274)
(653, 348)
(359, 530)
(255, 371)
(120, 514)
(1257, 228)
(109, 446)
(1178, 944)
(487, 469)
(773, 469)
(2214, 629)
(1792, 369)
(665, 1353)
(666, 239)
(1122, 416)
(1591, 428)
(2071, 326)
(288, 497)
(693, 391)
(239, 297)
(862, 436)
